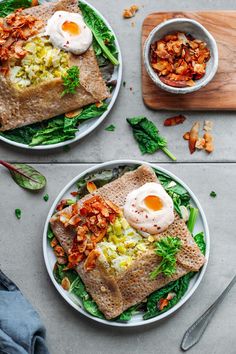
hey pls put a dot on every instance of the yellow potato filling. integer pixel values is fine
(122, 245)
(42, 63)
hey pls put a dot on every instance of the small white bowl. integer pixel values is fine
(194, 28)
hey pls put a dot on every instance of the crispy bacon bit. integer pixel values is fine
(186, 136)
(174, 120)
(73, 114)
(53, 242)
(179, 59)
(74, 194)
(209, 146)
(193, 137)
(14, 30)
(63, 203)
(59, 251)
(200, 143)
(91, 221)
(128, 13)
(99, 104)
(90, 262)
(91, 187)
(65, 283)
(162, 303)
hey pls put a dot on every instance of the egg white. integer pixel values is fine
(76, 44)
(143, 219)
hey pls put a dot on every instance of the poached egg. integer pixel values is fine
(149, 209)
(68, 31)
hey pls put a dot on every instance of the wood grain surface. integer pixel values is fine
(220, 93)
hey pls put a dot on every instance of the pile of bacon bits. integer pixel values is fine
(91, 221)
(179, 59)
(201, 143)
(15, 29)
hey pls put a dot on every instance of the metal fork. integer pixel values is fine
(195, 332)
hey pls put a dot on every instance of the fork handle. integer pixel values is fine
(194, 332)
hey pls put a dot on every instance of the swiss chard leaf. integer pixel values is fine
(25, 176)
(147, 135)
(8, 6)
(103, 36)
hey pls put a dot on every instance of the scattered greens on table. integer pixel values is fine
(110, 128)
(60, 129)
(147, 135)
(46, 197)
(18, 213)
(167, 246)
(213, 194)
(25, 176)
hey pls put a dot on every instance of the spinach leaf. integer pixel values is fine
(101, 178)
(110, 128)
(147, 135)
(104, 38)
(50, 233)
(178, 193)
(127, 314)
(78, 289)
(213, 194)
(8, 6)
(199, 239)
(25, 176)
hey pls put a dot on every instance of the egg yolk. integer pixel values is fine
(153, 202)
(71, 27)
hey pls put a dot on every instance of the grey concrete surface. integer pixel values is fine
(68, 332)
(21, 240)
(104, 146)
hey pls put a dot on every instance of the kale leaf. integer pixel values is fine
(104, 40)
(147, 135)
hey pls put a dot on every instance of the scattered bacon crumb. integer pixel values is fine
(174, 120)
(65, 283)
(14, 30)
(74, 194)
(200, 143)
(162, 303)
(193, 137)
(209, 146)
(99, 104)
(73, 114)
(179, 59)
(186, 136)
(208, 125)
(128, 13)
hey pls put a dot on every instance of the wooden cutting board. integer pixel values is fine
(220, 93)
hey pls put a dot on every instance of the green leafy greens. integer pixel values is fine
(176, 191)
(55, 130)
(25, 176)
(213, 194)
(18, 213)
(71, 80)
(104, 40)
(8, 6)
(147, 135)
(110, 128)
(166, 248)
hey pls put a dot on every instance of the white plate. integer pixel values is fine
(137, 320)
(88, 126)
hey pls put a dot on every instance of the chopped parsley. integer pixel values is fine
(18, 214)
(71, 80)
(46, 197)
(110, 128)
(213, 194)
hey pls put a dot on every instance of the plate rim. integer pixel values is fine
(99, 119)
(199, 275)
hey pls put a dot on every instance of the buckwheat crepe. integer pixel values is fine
(19, 107)
(115, 293)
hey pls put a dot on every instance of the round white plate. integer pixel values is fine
(50, 259)
(88, 126)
